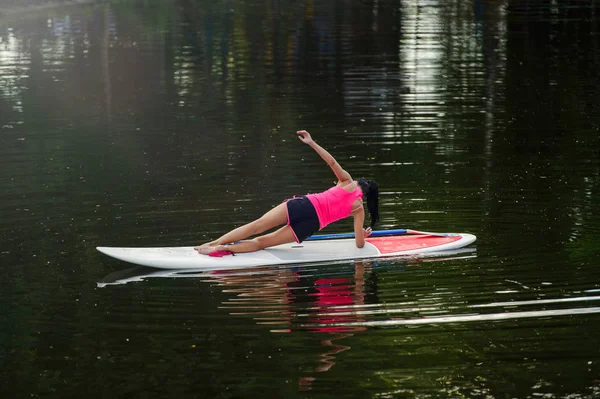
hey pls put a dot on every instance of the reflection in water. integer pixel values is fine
(299, 301)
(291, 300)
(422, 52)
(336, 304)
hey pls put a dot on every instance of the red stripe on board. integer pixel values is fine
(387, 245)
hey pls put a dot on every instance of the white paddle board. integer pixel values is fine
(305, 252)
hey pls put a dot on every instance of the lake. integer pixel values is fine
(167, 123)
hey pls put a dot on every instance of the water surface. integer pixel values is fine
(167, 123)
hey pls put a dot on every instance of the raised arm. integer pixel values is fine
(340, 173)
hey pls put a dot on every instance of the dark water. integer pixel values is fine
(138, 123)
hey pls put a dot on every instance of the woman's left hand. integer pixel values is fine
(367, 232)
(304, 136)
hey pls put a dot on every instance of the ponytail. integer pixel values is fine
(370, 190)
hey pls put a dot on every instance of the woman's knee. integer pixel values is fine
(253, 245)
(281, 236)
(262, 242)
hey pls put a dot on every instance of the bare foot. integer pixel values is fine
(206, 244)
(201, 249)
(207, 248)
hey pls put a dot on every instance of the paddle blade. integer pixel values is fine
(378, 233)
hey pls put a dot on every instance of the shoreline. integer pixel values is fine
(20, 9)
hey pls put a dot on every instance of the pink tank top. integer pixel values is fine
(334, 204)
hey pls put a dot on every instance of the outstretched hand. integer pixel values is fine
(304, 136)
(367, 231)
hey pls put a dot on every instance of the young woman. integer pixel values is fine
(302, 216)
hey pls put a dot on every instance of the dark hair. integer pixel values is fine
(370, 190)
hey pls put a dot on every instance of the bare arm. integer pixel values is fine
(340, 173)
(360, 233)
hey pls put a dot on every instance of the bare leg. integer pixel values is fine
(273, 218)
(280, 236)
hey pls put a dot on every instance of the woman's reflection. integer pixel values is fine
(330, 301)
(304, 300)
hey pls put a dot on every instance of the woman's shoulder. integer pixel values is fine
(348, 185)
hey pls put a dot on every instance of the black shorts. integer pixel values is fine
(302, 218)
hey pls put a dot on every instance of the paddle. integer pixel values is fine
(377, 233)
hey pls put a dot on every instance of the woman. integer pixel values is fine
(305, 215)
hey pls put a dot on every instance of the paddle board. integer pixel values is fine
(306, 252)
